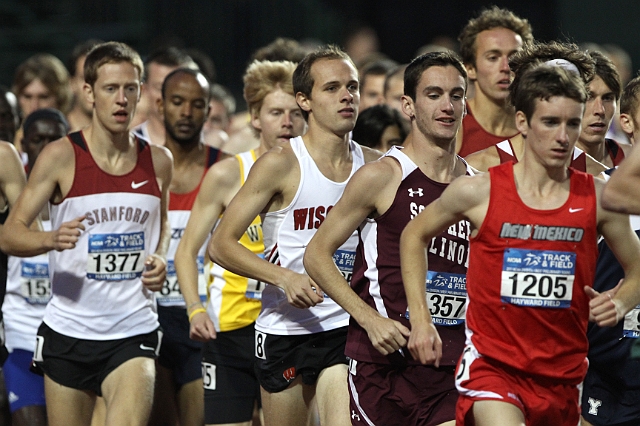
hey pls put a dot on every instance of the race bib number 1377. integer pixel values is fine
(115, 256)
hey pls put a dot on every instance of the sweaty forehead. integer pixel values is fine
(326, 70)
(498, 38)
(110, 70)
(446, 77)
(36, 87)
(598, 85)
(560, 106)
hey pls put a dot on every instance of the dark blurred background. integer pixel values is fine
(230, 30)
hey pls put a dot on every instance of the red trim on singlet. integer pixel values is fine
(505, 156)
(184, 201)
(274, 256)
(90, 179)
(579, 163)
(474, 137)
(615, 151)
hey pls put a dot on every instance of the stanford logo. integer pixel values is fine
(289, 374)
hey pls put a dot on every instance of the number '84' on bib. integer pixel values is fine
(538, 278)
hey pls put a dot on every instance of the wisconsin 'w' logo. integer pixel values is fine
(289, 374)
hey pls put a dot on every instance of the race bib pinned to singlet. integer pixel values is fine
(344, 260)
(254, 287)
(170, 294)
(446, 298)
(35, 285)
(631, 326)
(115, 257)
(538, 278)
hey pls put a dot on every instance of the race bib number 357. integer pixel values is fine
(115, 256)
(538, 278)
(446, 296)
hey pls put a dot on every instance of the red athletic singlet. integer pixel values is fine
(527, 269)
(474, 137)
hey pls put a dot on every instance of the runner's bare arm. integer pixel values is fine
(620, 193)
(464, 198)
(360, 199)
(156, 264)
(56, 160)
(12, 176)
(610, 307)
(219, 185)
(274, 173)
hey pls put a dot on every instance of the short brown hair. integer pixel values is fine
(51, 72)
(541, 82)
(169, 56)
(376, 68)
(630, 97)
(302, 80)
(419, 65)
(489, 19)
(606, 70)
(109, 53)
(538, 53)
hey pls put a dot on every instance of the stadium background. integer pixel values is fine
(229, 30)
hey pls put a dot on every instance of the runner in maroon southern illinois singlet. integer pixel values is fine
(376, 277)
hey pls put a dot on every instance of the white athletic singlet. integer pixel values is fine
(97, 293)
(234, 300)
(28, 291)
(286, 235)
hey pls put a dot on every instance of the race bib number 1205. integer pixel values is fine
(538, 278)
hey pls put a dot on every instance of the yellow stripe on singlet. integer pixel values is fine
(227, 295)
